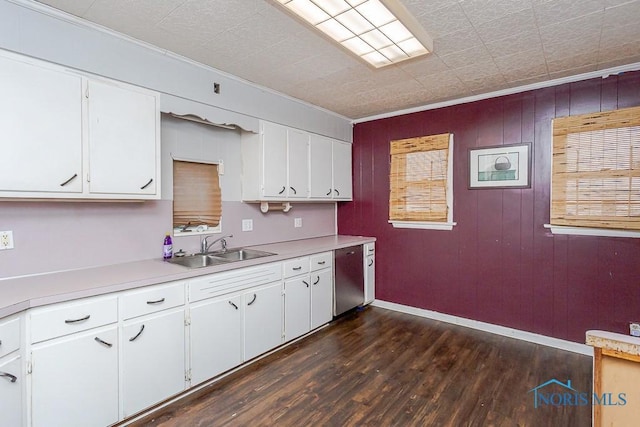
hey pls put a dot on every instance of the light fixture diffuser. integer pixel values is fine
(380, 32)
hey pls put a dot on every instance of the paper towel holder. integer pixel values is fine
(273, 207)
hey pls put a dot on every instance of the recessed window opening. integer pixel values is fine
(197, 201)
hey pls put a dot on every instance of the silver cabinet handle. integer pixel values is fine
(305, 282)
(75, 175)
(282, 191)
(329, 193)
(103, 342)
(137, 335)
(82, 319)
(253, 300)
(297, 268)
(147, 184)
(322, 262)
(8, 376)
(317, 280)
(370, 263)
(294, 190)
(158, 301)
(232, 304)
(337, 192)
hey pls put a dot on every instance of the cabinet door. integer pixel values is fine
(321, 297)
(263, 320)
(369, 279)
(297, 307)
(274, 160)
(153, 362)
(11, 391)
(41, 122)
(298, 162)
(321, 167)
(216, 337)
(75, 380)
(123, 140)
(342, 171)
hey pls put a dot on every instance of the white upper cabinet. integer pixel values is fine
(70, 136)
(285, 164)
(123, 149)
(41, 122)
(330, 169)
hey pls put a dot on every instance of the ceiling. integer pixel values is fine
(480, 46)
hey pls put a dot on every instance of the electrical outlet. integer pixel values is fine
(634, 329)
(247, 225)
(6, 240)
(297, 222)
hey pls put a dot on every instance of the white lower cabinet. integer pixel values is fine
(11, 384)
(369, 273)
(74, 379)
(297, 310)
(321, 297)
(216, 336)
(153, 359)
(263, 310)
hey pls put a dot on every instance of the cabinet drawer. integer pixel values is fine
(9, 336)
(320, 261)
(156, 298)
(68, 318)
(296, 266)
(235, 280)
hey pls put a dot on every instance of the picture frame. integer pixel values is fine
(500, 166)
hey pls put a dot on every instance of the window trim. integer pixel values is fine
(430, 225)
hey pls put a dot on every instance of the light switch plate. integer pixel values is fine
(297, 222)
(247, 225)
(6, 240)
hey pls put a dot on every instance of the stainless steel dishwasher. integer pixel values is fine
(348, 287)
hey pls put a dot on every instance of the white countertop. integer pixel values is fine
(20, 293)
(614, 341)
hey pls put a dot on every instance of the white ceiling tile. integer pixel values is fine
(466, 57)
(454, 42)
(422, 7)
(618, 62)
(578, 28)
(554, 11)
(571, 62)
(482, 11)
(573, 71)
(622, 51)
(423, 66)
(624, 14)
(513, 44)
(444, 21)
(619, 35)
(506, 26)
(572, 47)
(74, 7)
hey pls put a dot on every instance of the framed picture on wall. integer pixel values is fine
(503, 166)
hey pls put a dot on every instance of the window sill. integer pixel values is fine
(584, 231)
(197, 231)
(446, 226)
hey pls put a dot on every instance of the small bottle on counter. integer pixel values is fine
(167, 247)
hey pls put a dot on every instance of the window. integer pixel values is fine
(196, 196)
(421, 185)
(595, 181)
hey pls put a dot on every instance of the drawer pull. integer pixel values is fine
(8, 376)
(282, 191)
(337, 192)
(370, 263)
(322, 262)
(103, 342)
(294, 190)
(305, 282)
(132, 339)
(253, 300)
(329, 193)
(317, 280)
(297, 268)
(233, 304)
(371, 249)
(75, 175)
(158, 301)
(82, 319)
(147, 184)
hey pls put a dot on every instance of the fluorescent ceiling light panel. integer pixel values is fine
(380, 32)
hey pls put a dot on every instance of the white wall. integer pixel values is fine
(36, 30)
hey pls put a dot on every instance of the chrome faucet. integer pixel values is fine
(204, 245)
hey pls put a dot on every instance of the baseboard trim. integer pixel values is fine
(489, 327)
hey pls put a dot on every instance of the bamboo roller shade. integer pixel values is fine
(196, 194)
(596, 170)
(418, 179)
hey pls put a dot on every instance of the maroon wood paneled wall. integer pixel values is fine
(499, 264)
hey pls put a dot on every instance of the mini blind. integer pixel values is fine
(196, 194)
(418, 179)
(596, 170)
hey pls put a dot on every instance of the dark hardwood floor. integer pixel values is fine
(382, 368)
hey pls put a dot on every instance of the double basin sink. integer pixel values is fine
(217, 258)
